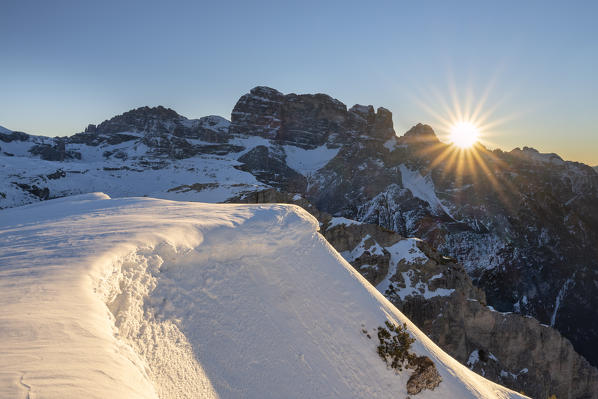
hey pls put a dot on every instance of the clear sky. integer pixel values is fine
(64, 64)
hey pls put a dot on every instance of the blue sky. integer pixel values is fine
(65, 64)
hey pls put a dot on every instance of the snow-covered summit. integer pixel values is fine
(145, 298)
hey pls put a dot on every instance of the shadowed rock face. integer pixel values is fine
(142, 119)
(420, 134)
(268, 165)
(161, 129)
(56, 152)
(306, 120)
(13, 136)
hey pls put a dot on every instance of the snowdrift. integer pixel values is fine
(147, 298)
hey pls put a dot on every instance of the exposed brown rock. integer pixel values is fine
(425, 376)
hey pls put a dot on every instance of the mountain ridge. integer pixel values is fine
(510, 220)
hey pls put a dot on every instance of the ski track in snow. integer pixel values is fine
(148, 298)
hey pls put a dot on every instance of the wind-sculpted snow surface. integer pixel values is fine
(146, 298)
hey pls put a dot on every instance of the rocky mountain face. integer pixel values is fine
(524, 225)
(307, 120)
(436, 293)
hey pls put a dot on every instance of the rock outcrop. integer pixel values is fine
(307, 120)
(268, 165)
(162, 130)
(425, 376)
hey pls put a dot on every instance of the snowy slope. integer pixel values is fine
(142, 173)
(145, 298)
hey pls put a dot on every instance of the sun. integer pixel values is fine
(464, 134)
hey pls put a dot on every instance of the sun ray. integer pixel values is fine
(443, 156)
(466, 126)
(455, 97)
(501, 186)
(450, 165)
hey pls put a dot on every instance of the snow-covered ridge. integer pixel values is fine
(146, 298)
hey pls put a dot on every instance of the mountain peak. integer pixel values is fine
(535, 155)
(265, 92)
(159, 111)
(420, 133)
(307, 120)
(138, 119)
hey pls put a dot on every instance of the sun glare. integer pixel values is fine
(464, 134)
(466, 125)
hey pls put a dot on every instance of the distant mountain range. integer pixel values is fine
(521, 225)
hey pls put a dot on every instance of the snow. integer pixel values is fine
(420, 288)
(120, 178)
(148, 298)
(403, 251)
(5, 130)
(422, 187)
(505, 374)
(474, 357)
(366, 244)
(249, 142)
(559, 298)
(335, 221)
(212, 122)
(391, 144)
(406, 251)
(16, 148)
(308, 161)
